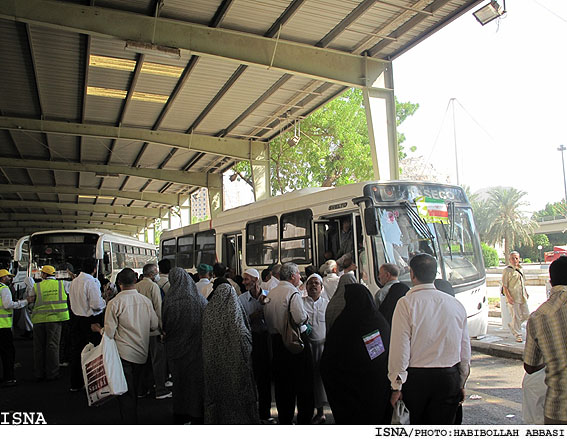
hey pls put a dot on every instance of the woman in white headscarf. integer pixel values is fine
(230, 390)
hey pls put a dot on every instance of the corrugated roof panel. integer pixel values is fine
(58, 60)
(66, 178)
(31, 145)
(125, 152)
(17, 89)
(138, 6)
(142, 114)
(376, 20)
(153, 156)
(109, 78)
(19, 176)
(198, 11)
(7, 147)
(315, 19)
(103, 109)
(62, 147)
(135, 183)
(110, 47)
(95, 150)
(253, 83)
(206, 80)
(157, 84)
(256, 16)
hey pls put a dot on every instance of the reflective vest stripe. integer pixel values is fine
(5, 314)
(50, 310)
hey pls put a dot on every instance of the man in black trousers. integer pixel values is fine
(430, 351)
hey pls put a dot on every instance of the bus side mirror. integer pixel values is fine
(371, 221)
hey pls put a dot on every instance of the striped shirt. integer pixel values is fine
(545, 343)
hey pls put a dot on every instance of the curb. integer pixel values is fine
(498, 350)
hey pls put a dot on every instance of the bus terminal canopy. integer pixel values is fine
(113, 112)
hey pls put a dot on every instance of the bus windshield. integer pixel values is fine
(64, 251)
(456, 248)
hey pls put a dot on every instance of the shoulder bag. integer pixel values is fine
(291, 336)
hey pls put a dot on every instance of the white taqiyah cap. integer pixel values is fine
(252, 272)
(316, 276)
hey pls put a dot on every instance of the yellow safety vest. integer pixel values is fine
(50, 302)
(5, 314)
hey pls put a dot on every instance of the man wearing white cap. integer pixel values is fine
(315, 306)
(253, 302)
(49, 312)
(7, 350)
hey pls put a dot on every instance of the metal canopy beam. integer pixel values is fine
(41, 225)
(32, 229)
(178, 176)
(231, 147)
(243, 48)
(67, 217)
(109, 209)
(158, 198)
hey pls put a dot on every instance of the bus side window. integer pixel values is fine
(106, 259)
(262, 241)
(296, 237)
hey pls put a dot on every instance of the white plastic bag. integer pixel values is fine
(102, 371)
(533, 397)
(400, 414)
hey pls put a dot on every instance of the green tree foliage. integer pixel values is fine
(480, 212)
(334, 148)
(532, 252)
(490, 255)
(506, 221)
(551, 210)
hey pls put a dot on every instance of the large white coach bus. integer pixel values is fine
(390, 222)
(68, 249)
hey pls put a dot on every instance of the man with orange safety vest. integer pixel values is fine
(50, 310)
(7, 305)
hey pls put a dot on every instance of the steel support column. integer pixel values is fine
(380, 106)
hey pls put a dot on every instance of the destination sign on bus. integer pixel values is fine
(410, 191)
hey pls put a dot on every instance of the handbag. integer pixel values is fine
(291, 336)
(102, 371)
(400, 414)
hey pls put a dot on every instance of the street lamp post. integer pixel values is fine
(562, 148)
(539, 247)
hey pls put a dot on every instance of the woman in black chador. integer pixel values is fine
(354, 364)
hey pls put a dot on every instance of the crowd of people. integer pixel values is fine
(214, 343)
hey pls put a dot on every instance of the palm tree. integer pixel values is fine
(506, 221)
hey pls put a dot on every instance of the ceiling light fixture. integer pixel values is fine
(153, 49)
(490, 12)
(106, 175)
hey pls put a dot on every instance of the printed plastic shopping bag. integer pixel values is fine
(102, 371)
(400, 414)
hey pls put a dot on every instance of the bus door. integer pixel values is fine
(232, 251)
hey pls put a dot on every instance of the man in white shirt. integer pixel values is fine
(162, 279)
(129, 319)
(274, 280)
(253, 303)
(430, 350)
(7, 350)
(87, 305)
(157, 363)
(315, 306)
(330, 270)
(204, 272)
(293, 373)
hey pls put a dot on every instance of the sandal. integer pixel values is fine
(519, 339)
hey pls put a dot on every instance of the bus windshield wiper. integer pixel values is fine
(418, 223)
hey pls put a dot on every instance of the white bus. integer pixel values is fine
(391, 221)
(68, 249)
